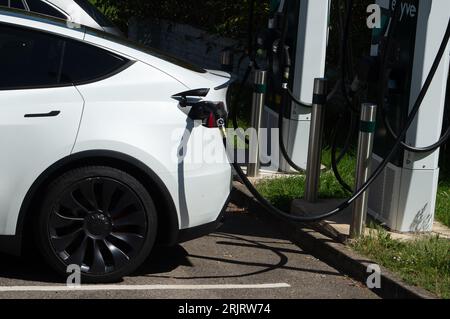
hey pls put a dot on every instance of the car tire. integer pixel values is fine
(98, 218)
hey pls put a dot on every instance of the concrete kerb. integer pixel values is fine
(311, 238)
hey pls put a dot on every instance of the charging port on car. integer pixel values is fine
(208, 112)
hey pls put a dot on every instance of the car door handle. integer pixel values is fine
(49, 114)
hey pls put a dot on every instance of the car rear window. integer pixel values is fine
(149, 50)
(85, 63)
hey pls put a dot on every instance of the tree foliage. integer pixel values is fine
(226, 17)
(230, 18)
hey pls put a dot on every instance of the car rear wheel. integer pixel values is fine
(100, 219)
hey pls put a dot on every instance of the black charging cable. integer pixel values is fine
(335, 160)
(323, 215)
(384, 78)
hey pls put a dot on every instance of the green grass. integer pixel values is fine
(443, 202)
(423, 262)
(282, 191)
(443, 196)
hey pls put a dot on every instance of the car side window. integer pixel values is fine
(86, 63)
(34, 59)
(29, 58)
(4, 3)
(43, 8)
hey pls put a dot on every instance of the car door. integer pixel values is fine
(39, 114)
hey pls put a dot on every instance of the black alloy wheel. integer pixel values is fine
(100, 219)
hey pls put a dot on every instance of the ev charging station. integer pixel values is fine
(404, 196)
(307, 43)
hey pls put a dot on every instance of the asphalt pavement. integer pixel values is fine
(244, 259)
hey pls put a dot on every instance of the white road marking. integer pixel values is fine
(137, 287)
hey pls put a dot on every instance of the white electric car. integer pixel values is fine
(94, 147)
(76, 11)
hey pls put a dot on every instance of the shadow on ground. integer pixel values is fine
(240, 231)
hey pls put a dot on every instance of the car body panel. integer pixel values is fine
(30, 145)
(131, 112)
(152, 128)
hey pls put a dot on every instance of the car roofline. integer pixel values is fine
(37, 17)
(33, 16)
(86, 30)
(41, 18)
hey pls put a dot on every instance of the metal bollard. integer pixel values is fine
(363, 168)
(259, 95)
(315, 141)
